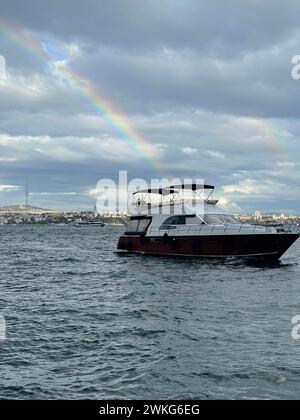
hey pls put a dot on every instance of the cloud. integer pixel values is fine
(201, 25)
(229, 205)
(70, 149)
(7, 159)
(267, 192)
(8, 188)
(44, 193)
(206, 87)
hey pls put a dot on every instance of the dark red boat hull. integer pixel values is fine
(266, 245)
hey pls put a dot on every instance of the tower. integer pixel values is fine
(27, 193)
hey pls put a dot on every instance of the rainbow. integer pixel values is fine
(106, 108)
(117, 119)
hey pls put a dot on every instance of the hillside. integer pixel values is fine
(25, 209)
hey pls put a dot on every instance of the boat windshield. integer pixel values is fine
(139, 224)
(220, 219)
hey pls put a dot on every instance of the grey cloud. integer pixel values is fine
(258, 84)
(208, 77)
(206, 25)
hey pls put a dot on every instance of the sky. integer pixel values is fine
(159, 88)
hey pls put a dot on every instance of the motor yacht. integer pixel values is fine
(198, 227)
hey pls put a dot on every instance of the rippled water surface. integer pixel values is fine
(84, 322)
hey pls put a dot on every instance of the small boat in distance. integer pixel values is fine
(198, 228)
(89, 223)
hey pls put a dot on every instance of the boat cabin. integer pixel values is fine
(175, 206)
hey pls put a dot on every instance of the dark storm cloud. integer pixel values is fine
(206, 25)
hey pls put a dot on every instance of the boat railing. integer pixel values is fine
(174, 230)
(142, 204)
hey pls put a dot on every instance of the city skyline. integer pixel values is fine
(28, 201)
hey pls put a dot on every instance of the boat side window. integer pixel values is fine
(193, 220)
(175, 220)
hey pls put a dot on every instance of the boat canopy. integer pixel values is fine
(173, 189)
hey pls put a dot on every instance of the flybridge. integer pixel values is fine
(172, 195)
(175, 189)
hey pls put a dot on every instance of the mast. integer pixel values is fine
(27, 193)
